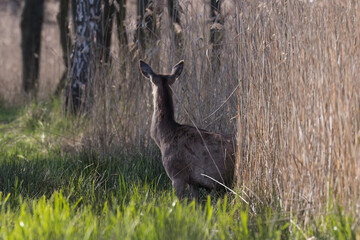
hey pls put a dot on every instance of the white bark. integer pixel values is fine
(84, 54)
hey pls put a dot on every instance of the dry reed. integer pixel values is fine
(300, 102)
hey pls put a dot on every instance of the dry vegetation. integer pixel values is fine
(294, 68)
(300, 102)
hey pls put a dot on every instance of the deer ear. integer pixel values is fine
(176, 70)
(145, 69)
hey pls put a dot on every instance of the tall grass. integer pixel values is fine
(142, 218)
(299, 102)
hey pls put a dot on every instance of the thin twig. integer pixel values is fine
(232, 191)
(227, 99)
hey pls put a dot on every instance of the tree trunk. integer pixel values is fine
(106, 29)
(31, 24)
(122, 34)
(174, 9)
(83, 56)
(111, 10)
(216, 33)
(65, 40)
(120, 18)
(146, 30)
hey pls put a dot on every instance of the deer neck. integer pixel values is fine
(163, 122)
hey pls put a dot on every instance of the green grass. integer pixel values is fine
(47, 192)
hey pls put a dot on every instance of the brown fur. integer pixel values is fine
(187, 152)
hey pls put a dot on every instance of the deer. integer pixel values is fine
(191, 156)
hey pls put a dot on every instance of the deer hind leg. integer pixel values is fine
(194, 191)
(179, 186)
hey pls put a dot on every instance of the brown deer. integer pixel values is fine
(187, 152)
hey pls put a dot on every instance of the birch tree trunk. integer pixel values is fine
(83, 56)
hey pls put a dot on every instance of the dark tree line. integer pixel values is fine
(31, 24)
(90, 41)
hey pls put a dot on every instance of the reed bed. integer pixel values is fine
(299, 103)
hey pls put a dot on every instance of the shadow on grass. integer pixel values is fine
(8, 114)
(81, 176)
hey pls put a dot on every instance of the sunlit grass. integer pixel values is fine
(162, 217)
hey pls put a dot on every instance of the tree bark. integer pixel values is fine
(111, 10)
(146, 30)
(31, 24)
(65, 40)
(84, 55)
(174, 9)
(120, 18)
(106, 29)
(122, 34)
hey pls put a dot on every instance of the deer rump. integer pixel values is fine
(189, 153)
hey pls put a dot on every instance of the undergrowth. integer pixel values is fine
(49, 192)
